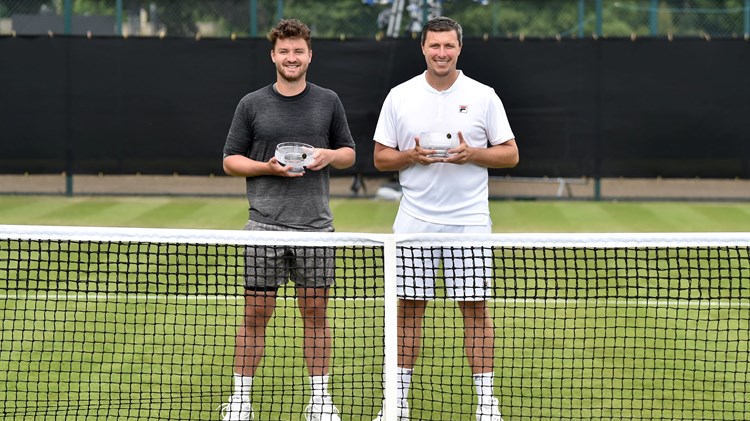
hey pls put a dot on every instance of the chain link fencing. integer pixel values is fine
(378, 18)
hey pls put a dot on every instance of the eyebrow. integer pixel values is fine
(449, 43)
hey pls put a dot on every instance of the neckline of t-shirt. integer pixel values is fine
(451, 89)
(278, 95)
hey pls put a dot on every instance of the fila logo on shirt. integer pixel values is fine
(463, 109)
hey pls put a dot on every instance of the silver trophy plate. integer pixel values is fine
(439, 142)
(294, 154)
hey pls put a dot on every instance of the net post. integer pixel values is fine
(390, 329)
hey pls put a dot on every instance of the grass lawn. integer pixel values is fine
(367, 215)
(108, 333)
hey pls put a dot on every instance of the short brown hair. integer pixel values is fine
(443, 24)
(290, 28)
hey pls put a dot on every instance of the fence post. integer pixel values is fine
(69, 154)
(496, 18)
(597, 188)
(279, 10)
(68, 16)
(253, 18)
(118, 17)
(68, 184)
(747, 18)
(653, 18)
(581, 18)
(599, 30)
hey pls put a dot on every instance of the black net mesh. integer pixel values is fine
(121, 328)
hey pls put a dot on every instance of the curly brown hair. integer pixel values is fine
(290, 28)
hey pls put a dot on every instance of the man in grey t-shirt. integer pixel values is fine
(290, 110)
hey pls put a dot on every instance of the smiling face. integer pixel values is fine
(291, 56)
(441, 51)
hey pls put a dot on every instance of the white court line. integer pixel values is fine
(115, 297)
(627, 302)
(536, 302)
(98, 296)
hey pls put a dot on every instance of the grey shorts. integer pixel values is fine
(269, 267)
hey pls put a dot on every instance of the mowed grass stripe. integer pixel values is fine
(369, 215)
(217, 213)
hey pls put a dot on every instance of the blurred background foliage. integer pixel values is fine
(378, 18)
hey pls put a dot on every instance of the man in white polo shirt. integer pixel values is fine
(445, 194)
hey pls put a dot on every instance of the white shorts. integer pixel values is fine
(467, 272)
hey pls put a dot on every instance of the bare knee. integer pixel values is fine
(258, 315)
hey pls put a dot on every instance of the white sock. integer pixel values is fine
(484, 385)
(404, 381)
(319, 386)
(242, 386)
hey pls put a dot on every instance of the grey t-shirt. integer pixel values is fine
(262, 120)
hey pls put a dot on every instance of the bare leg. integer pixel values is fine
(410, 320)
(251, 336)
(479, 336)
(313, 303)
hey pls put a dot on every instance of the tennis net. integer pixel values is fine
(108, 323)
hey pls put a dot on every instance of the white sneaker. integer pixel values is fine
(322, 410)
(489, 411)
(402, 413)
(236, 409)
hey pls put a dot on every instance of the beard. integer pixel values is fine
(440, 72)
(286, 77)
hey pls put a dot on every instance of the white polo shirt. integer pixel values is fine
(443, 193)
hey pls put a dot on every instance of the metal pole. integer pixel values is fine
(399, 16)
(581, 18)
(68, 16)
(390, 329)
(69, 140)
(68, 184)
(394, 20)
(653, 17)
(68, 29)
(279, 10)
(597, 189)
(253, 18)
(496, 18)
(747, 18)
(599, 30)
(118, 17)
